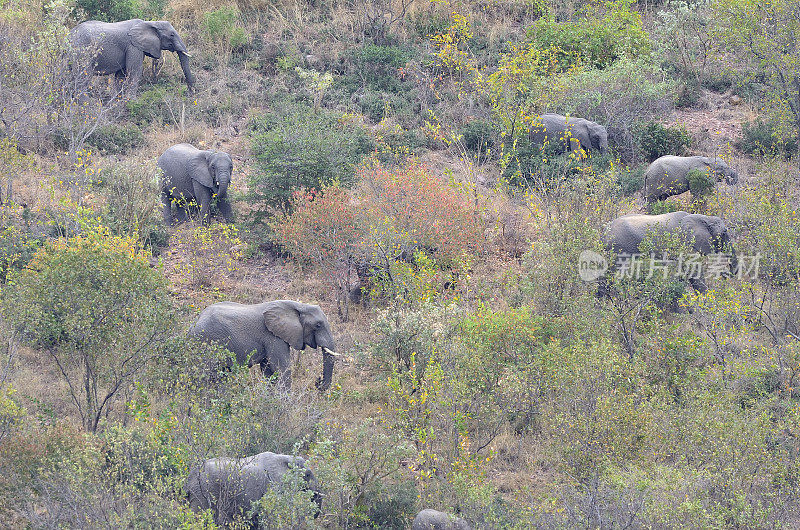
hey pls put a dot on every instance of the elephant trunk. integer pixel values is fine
(183, 57)
(223, 181)
(329, 358)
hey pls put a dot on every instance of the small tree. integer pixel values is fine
(98, 310)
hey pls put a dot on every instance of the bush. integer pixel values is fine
(16, 250)
(99, 310)
(656, 140)
(761, 138)
(622, 97)
(297, 148)
(659, 207)
(132, 208)
(595, 39)
(116, 139)
(479, 135)
(631, 180)
(159, 105)
(700, 183)
(220, 27)
(376, 66)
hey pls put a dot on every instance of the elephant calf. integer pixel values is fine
(192, 175)
(706, 234)
(229, 486)
(262, 333)
(434, 520)
(667, 175)
(575, 134)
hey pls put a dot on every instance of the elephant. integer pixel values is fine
(119, 47)
(228, 486)
(583, 134)
(262, 333)
(191, 174)
(434, 520)
(666, 176)
(707, 234)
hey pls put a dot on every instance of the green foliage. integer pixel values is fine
(376, 66)
(657, 140)
(631, 180)
(16, 250)
(132, 208)
(116, 139)
(298, 148)
(159, 105)
(118, 10)
(763, 138)
(220, 26)
(69, 303)
(665, 206)
(700, 183)
(596, 38)
(622, 97)
(479, 135)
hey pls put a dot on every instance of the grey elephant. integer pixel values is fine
(194, 175)
(706, 234)
(573, 134)
(119, 48)
(262, 333)
(667, 175)
(228, 486)
(434, 520)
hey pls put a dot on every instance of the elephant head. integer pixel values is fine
(721, 170)
(301, 326)
(599, 137)
(711, 235)
(213, 170)
(151, 37)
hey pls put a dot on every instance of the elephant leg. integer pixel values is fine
(266, 369)
(225, 209)
(166, 202)
(283, 367)
(203, 196)
(134, 64)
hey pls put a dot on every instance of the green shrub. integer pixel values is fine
(16, 250)
(595, 39)
(479, 135)
(114, 139)
(687, 94)
(296, 147)
(118, 10)
(659, 207)
(220, 27)
(761, 138)
(631, 180)
(159, 105)
(132, 208)
(101, 311)
(376, 105)
(656, 140)
(621, 97)
(700, 183)
(376, 66)
(391, 506)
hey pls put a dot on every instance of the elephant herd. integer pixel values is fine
(262, 334)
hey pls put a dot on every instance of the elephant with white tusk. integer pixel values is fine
(262, 333)
(573, 134)
(119, 48)
(668, 175)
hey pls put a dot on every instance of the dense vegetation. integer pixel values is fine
(383, 169)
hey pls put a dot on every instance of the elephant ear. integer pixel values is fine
(282, 319)
(145, 37)
(198, 169)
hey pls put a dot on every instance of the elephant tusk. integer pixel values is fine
(187, 54)
(331, 352)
